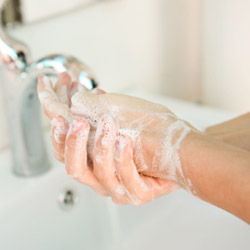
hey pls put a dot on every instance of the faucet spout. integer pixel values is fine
(19, 80)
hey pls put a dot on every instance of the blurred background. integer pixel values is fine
(196, 50)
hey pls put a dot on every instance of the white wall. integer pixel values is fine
(179, 22)
(226, 54)
(34, 10)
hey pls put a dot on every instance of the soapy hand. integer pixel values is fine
(121, 146)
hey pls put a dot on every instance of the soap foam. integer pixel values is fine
(62, 94)
(85, 107)
(169, 155)
(60, 129)
(51, 103)
(107, 128)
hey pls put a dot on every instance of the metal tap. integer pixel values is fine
(18, 76)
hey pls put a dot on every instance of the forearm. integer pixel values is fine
(218, 173)
(235, 132)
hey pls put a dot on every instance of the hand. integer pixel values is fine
(154, 133)
(114, 172)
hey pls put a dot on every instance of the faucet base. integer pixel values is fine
(28, 173)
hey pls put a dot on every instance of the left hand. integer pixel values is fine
(107, 175)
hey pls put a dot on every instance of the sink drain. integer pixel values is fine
(67, 199)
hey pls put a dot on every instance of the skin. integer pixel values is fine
(214, 171)
(219, 173)
(99, 175)
(235, 132)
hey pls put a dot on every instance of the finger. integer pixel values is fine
(51, 105)
(160, 186)
(103, 158)
(76, 87)
(137, 190)
(97, 91)
(76, 155)
(59, 129)
(63, 87)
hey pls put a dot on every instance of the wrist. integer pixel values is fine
(189, 152)
(217, 172)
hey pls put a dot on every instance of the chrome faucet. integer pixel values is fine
(18, 76)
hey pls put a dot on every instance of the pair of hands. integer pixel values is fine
(111, 142)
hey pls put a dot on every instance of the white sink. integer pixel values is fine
(31, 218)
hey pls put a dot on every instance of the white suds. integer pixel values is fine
(169, 156)
(80, 129)
(139, 157)
(51, 103)
(47, 96)
(107, 128)
(60, 129)
(84, 106)
(132, 133)
(91, 144)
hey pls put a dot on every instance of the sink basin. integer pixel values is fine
(53, 212)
